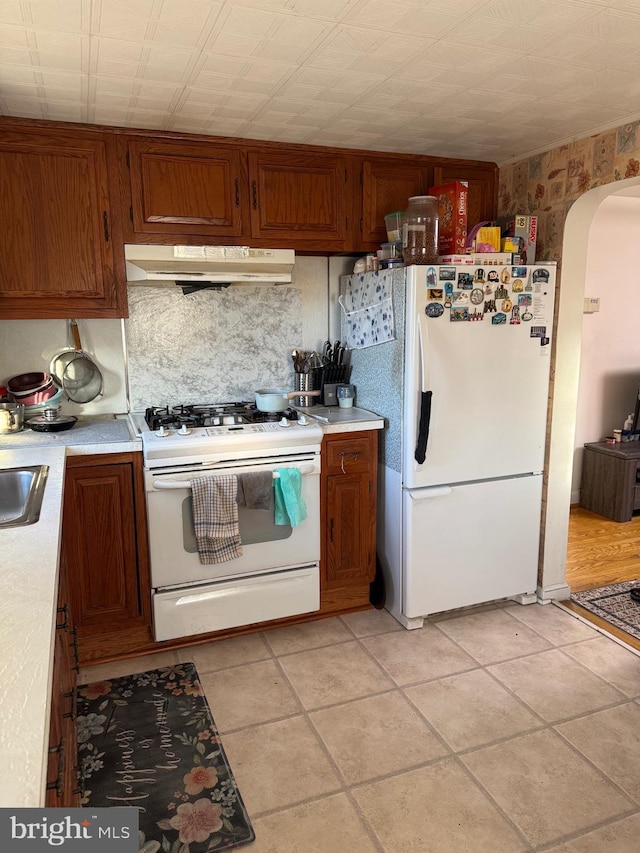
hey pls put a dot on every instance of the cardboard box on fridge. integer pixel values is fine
(453, 202)
(497, 259)
(525, 228)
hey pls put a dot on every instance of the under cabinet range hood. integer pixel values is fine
(207, 265)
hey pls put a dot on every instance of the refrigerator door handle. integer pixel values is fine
(425, 395)
(427, 494)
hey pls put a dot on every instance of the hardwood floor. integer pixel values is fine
(601, 552)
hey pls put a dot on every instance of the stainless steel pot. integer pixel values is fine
(11, 418)
(277, 400)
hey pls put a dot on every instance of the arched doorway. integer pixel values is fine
(575, 259)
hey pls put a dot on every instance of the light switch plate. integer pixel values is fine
(591, 305)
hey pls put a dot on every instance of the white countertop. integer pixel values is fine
(28, 598)
(336, 419)
(29, 581)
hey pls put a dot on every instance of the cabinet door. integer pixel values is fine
(181, 188)
(349, 473)
(55, 227)
(101, 525)
(387, 184)
(483, 187)
(299, 198)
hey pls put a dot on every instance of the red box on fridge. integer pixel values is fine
(452, 216)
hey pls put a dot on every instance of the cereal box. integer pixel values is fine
(452, 216)
(524, 227)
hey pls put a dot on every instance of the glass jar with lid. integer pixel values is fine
(420, 230)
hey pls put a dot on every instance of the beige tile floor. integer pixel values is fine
(499, 730)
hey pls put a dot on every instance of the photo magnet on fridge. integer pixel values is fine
(447, 273)
(435, 293)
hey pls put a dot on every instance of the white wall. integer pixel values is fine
(610, 357)
(29, 345)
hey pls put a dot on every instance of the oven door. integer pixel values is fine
(266, 546)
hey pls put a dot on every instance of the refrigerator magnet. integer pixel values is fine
(434, 309)
(479, 276)
(476, 296)
(501, 292)
(515, 316)
(488, 288)
(457, 315)
(489, 306)
(507, 305)
(432, 278)
(435, 293)
(526, 316)
(541, 275)
(465, 281)
(447, 273)
(499, 319)
(493, 276)
(519, 272)
(505, 276)
(517, 286)
(476, 315)
(460, 297)
(524, 299)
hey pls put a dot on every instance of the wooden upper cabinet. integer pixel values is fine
(483, 187)
(56, 228)
(386, 186)
(183, 188)
(300, 199)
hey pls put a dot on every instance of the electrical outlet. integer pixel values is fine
(591, 305)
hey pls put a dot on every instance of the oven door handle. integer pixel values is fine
(186, 484)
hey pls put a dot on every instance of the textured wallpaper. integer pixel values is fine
(548, 184)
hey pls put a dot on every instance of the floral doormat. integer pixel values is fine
(614, 604)
(148, 740)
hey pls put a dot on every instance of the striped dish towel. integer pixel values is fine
(215, 518)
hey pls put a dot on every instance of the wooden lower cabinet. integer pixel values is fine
(104, 540)
(62, 765)
(348, 502)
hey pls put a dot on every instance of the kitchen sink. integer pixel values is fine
(21, 492)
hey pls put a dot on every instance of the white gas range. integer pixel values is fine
(277, 574)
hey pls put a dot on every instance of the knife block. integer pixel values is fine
(311, 381)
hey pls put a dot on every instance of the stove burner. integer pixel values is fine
(210, 414)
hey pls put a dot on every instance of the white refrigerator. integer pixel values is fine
(462, 381)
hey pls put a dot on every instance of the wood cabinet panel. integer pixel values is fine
(56, 226)
(386, 186)
(298, 198)
(104, 541)
(348, 497)
(181, 188)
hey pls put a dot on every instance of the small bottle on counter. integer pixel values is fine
(627, 428)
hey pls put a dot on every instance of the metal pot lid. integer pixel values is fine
(51, 416)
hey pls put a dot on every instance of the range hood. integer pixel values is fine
(207, 265)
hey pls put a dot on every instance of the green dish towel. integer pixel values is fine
(290, 507)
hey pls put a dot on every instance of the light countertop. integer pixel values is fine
(28, 597)
(28, 588)
(336, 419)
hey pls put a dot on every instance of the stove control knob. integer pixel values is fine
(303, 420)
(183, 430)
(284, 422)
(162, 432)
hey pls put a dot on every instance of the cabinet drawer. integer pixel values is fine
(349, 456)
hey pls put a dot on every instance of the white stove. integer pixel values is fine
(208, 434)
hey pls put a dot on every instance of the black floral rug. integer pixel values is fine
(149, 740)
(614, 604)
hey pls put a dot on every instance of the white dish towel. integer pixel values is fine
(215, 518)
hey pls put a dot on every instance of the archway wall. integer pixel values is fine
(559, 187)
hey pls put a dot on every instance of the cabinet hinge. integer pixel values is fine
(128, 161)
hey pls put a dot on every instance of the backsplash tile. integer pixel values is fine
(210, 346)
